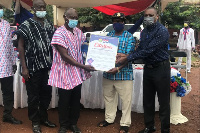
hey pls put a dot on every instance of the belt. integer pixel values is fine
(156, 64)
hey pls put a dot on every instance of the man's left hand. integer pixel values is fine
(14, 68)
(112, 71)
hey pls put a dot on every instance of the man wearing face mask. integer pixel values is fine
(186, 42)
(119, 80)
(7, 63)
(35, 54)
(153, 49)
(67, 71)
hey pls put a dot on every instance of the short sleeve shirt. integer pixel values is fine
(64, 75)
(7, 54)
(126, 46)
(37, 45)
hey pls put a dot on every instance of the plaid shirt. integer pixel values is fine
(7, 54)
(126, 45)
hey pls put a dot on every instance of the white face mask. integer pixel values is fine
(148, 21)
(41, 14)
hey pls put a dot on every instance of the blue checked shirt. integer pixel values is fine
(153, 47)
(126, 46)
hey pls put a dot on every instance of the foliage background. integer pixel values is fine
(173, 16)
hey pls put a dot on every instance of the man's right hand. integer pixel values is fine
(121, 58)
(89, 68)
(25, 74)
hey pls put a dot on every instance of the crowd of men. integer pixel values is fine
(43, 49)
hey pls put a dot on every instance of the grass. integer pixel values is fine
(194, 59)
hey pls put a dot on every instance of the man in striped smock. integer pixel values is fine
(67, 71)
(35, 54)
(7, 63)
(119, 80)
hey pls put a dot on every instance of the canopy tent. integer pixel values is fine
(8, 3)
(128, 8)
(89, 3)
(192, 2)
(69, 3)
(84, 3)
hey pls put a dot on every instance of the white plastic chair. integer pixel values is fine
(175, 64)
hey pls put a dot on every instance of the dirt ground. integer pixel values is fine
(89, 118)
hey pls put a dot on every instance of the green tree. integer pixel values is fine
(176, 13)
(94, 17)
(49, 15)
(8, 15)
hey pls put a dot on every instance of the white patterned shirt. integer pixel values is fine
(7, 54)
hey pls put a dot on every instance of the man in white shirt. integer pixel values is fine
(7, 69)
(186, 42)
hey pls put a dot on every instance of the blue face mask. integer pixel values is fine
(118, 27)
(72, 23)
(40, 14)
(1, 13)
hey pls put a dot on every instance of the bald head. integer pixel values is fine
(152, 9)
(70, 12)
(39, 5)
(38, 2)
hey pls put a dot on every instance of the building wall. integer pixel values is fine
(192, 2)
(58, 17)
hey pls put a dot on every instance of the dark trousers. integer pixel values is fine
(157, 80)
(39, 96)
(8, 95)
(69, 106)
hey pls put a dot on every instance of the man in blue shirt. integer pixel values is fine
(153, 50)
(119, 80)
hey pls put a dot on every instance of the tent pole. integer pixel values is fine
(159, 10)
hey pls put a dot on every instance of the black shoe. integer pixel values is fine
(12, 120)
(62, 130)
(75, 129)
(165, 131)
(123, 129)
(36, 129)
(148, 130)
(47, 123)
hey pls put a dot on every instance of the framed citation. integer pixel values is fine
(102, 52)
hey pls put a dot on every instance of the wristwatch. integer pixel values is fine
(118, 69)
